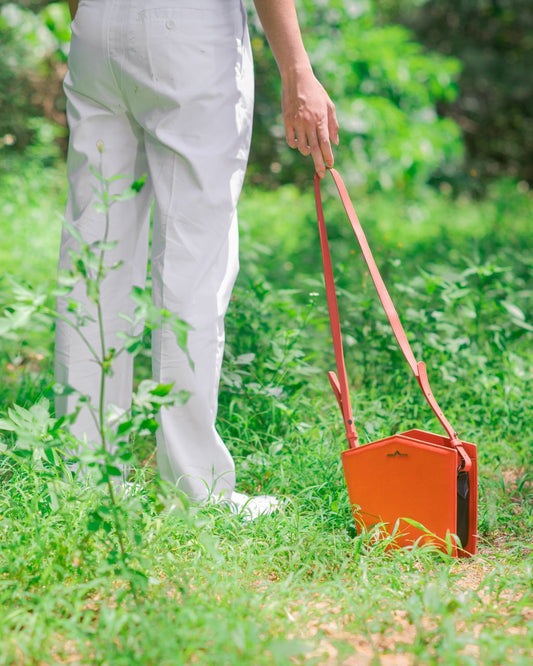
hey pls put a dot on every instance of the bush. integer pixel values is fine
(32, 65)
(386, 89)
(495, 105)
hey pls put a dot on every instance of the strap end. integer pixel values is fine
(466, 464)
(334, 381)
(351, 432)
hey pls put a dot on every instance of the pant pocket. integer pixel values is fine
(188, 45)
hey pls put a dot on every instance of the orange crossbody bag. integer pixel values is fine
(418, 486)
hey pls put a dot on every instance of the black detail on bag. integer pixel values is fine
(396, 453)
(463, 507)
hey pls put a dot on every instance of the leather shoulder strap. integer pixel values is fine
(340, 384)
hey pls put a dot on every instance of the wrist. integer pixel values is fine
(295, 69)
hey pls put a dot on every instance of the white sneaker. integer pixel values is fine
(251, 507)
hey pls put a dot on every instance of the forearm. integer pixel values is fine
(73, 6)
(308, 113)
(280, 23)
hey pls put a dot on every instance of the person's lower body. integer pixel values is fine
(167, 88)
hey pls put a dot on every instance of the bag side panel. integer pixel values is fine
(470, 547)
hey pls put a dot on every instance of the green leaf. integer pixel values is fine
(181, 331)
(73, 231)
(148, 426)
(123, 196)
(139, 183)
(96, 173)
(514, 310)
(118, 177)
(52, 494)
(133, 343)
(102, 246)
(245, 359)
(162, 389)
(7, 425)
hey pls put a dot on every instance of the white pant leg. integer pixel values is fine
(197, 125)
(184, 74)
(96, 113)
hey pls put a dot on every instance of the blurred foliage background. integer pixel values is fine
(494, 41)
(426, 91)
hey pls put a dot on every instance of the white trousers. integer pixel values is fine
(167, 87)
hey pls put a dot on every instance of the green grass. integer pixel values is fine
(32, 201)
(301, 587)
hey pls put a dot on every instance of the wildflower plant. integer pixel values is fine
(45, 443)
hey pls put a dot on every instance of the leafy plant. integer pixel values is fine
(45, 442)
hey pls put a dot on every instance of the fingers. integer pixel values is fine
(321, 150)
(313, 139)
(324, 138)
(327, 131)
(290, 134)
(333, 125)
(302, 140)
(310, 121)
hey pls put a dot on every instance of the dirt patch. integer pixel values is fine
(326, 625)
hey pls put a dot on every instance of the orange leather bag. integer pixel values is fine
(419, 486)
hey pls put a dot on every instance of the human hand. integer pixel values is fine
(309, 117)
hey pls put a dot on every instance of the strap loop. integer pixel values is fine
(340, 382)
